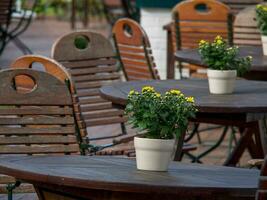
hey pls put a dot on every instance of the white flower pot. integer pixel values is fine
(264, 44)
(221, 81)
(154, 154)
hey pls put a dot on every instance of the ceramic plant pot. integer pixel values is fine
(264, 44)
(154, 154)
(221, 81)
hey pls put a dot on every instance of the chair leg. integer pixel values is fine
(123, 129)
(26, 50)
(10, 187)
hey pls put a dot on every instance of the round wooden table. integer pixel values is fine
(258, 69)
(96, 178)
(245, 108)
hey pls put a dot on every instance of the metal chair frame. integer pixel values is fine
(22, 25)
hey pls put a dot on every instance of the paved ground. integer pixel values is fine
(40, 37)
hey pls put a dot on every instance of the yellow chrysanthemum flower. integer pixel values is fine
(218, 37)
(158, 94)
(202, 42)
(176, 92)
(148, 89)
(259, 6)
(131, 92)
(190, 99)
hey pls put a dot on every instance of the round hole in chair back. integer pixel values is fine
(202, 8)
(23, 84)
(81, 42)
(38, 66)
(127, 30)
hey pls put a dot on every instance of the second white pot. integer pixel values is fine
(154, 154)
(221, 81)
(264, 44)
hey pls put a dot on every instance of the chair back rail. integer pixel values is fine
(195, 20)
(238, 5)
(90, 67)
(54, 68)
(246, 31)
(39, 121)
(134, 50)
(5, 11)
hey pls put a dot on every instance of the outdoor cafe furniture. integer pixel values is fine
(36, 121)
(245, 109)
(96, 178)
(258, 70)
(238, 5)
(134, 50)
(194, 20)
(245, 31)
(11, 28)
(91, 61)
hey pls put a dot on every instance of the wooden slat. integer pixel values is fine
(97, 77)
(135, 63)
(103, 113)
(93, 70)
(73, 148)
(88, 85)
(99, 106)
(134, 56)
(88, 93)
(6, 179)
(133, 49)
(89, 63)
(92, 100)
(33, 110)
(47, 130)
(105, 121)
(38, 140)
(36, 120)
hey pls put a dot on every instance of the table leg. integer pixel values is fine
(73, 14)
(246, 141)
(170, 56)
(86, 18)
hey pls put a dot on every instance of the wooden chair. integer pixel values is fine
(39, 121)
(91, 61)
(51, 67)
(134, 51)
(237, 6)
(246, 31)
(194, 20)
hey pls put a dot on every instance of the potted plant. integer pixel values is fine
(223, 63)
(261, 16)
(162, 119)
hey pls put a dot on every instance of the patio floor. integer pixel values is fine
(40, 37)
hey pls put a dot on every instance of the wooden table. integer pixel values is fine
(258, 69)
(96, 178)
(244, 109)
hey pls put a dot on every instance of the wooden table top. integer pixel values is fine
(120, 174)
(248, 97)
(259, 62)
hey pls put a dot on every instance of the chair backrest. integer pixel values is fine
(238, 5)
(91, 61)
(262, 189)
(54, 68)
(39, 121)
(134, 50)
(195, 20)
(5, 11)
(246, 31)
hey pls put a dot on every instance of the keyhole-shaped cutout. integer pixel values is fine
(23, 84)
